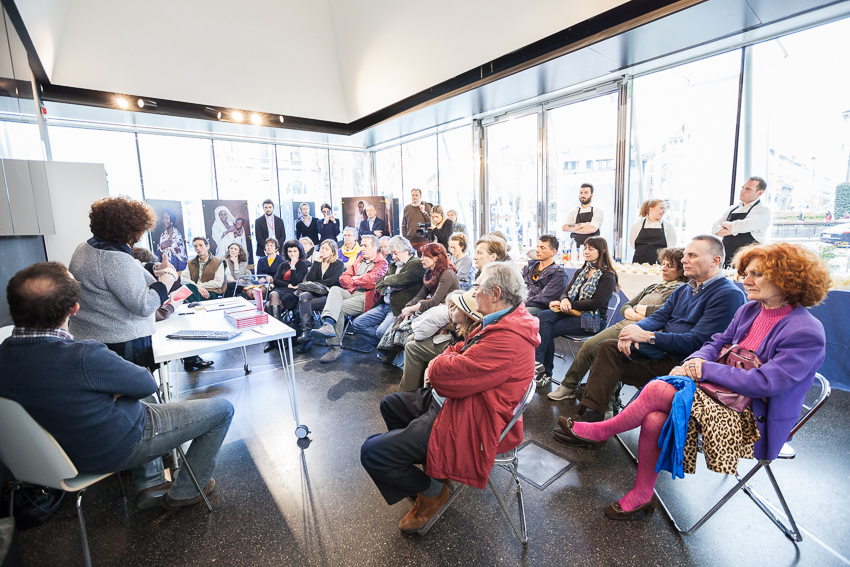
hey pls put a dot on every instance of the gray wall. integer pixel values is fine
(16, 253)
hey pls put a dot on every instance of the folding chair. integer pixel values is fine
(508, 461)
(612, 311)
(348, 320)
(784, 522)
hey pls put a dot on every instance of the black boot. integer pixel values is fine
(306, 344)
(306, 327)
(275, 311)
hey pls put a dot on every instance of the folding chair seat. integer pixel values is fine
(508, 461)
(784, 521)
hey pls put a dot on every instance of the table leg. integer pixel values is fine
(247, 365)
(301, 431)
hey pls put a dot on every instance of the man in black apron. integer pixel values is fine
(647, 244)
(581, 229)
(750, 209)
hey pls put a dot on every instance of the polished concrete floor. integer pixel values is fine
(283, 502)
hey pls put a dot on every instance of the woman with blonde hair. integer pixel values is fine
(442, 226)
(651, 233)
(489, 249)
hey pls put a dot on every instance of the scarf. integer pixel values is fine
(584, 287)
(350, 254)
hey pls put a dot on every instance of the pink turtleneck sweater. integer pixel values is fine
(762, 325)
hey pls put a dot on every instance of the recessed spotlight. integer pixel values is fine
(256, 119)
(281, 119)
(122, 102)
(237, 116)
(213, 112)
(146, 103)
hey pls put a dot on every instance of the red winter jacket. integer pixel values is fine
(349, 280)
(483, 385)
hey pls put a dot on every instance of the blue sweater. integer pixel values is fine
(68, 386)
(687, 320)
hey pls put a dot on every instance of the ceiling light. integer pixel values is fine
(213, 112)
(281, 119)
(146, 103)
(256, 119)
(236, 116)
(122, 102)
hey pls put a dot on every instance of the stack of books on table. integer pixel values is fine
(246, 316)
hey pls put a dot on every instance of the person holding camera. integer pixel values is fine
(415, 215)
(442, 227)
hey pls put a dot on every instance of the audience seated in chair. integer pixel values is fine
(282, 297)
(639, 308)
(781, 280)
(654, 346)
(544, 279)
(397, 287)
(204, 274)
(483, 379)
(266, 268)
(489, 249)
(434, 331)
(235, 270)
(439, 280)
(324, 273)
(582, 307)
(89, 398)
(350, 249)
(459, 250)
(355, 295)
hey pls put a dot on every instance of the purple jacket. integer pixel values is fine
(548, 287)
(792, 352)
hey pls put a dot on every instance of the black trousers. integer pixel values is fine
(390, 457)
(138, 351)
(612, 366)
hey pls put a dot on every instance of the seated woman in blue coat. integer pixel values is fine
(786, 346)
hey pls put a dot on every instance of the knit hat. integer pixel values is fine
(466, 303)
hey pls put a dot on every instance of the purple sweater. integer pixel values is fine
(792, 352)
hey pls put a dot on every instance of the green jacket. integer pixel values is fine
(650, 309)
(407, 282)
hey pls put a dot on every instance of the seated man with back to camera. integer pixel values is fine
(89, 398)
(483, 380)
(355, 295)
(204, 274)
(655, 345)
(397, 287)
(544, 278)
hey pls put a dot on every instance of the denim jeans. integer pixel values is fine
(374, 323)
(203, 422)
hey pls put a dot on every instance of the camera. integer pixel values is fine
(424, 230)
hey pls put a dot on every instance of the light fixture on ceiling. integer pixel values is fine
(122, 102)
(146, 103)
(213, 112)
(236, 116)
(256, 119)
(281, 119)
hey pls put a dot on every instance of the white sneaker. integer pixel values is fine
(542, 380)
(562, 393)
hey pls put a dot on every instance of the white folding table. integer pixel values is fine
(166, 350)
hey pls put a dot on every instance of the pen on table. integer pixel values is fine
(185, 313)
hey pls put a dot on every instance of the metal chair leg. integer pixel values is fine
(791, 532)
(194, 478)
(83, 535)
(342, 338)
(121, 485)
(455, 493)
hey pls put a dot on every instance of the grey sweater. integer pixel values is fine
(117, 302)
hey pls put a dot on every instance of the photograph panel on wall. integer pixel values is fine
(169, 235)
(354, 214)
(227, 222)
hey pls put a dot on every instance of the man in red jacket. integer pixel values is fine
(355, 295)
(482, 380)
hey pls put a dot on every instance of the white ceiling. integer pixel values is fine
(336, 60)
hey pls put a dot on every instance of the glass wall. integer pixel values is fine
(456, 163)
(115, 150)
(419, 169)
(581, 147)
(19, 140)
(512, 171)
(795, 133)
(304, 176)
(682, 143)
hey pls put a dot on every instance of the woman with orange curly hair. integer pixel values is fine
(119, 295)
(752, 379)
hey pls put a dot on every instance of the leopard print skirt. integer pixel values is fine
(727, 435)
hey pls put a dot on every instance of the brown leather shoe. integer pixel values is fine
(614, 511)
(573, 440)
(170, 503)
(423, 510)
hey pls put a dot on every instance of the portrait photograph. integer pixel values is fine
(227, 222)
(354, 214)
(169, 237)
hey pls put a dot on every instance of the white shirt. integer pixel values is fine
(757, 222)
(270, 225)
(596, 221)
(669, 231)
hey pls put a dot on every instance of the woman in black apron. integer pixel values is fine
(650, 240)
(733, 243)
(580, 218)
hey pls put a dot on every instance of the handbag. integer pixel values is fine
(314, 288)
(737, 357)
(33, 505)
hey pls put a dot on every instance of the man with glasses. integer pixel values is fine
(482, 380)
(397, 287)
(745, 223)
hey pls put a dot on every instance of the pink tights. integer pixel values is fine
(650, 412)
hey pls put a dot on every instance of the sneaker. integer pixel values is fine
(542, 380)
(562, 393)
(326, 331)
(332, 354)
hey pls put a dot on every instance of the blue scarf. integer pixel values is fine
(675, 430)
